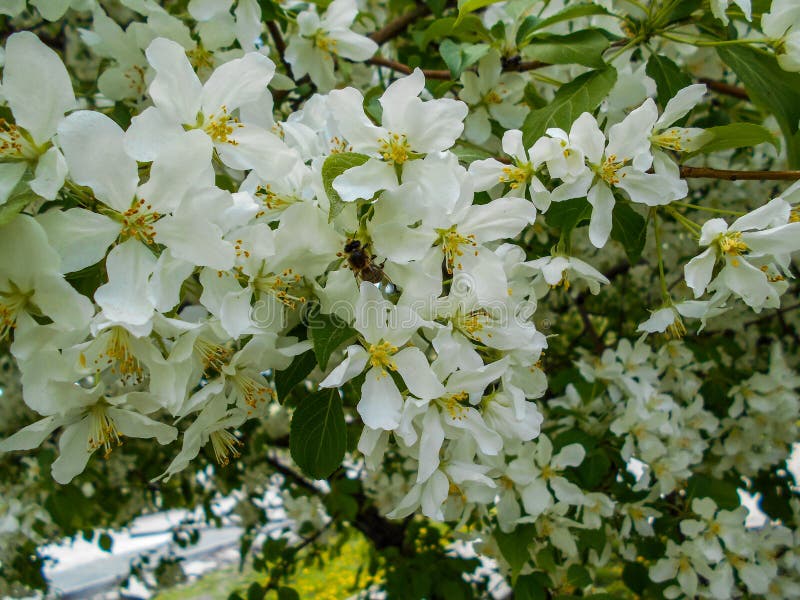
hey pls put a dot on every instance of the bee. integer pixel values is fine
(360, 262)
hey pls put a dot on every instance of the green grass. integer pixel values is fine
(334, 580)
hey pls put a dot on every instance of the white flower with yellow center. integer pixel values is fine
(613, 165)
(410, 128)
(385, 330)
(319, 41)
(782, 25)
(491, 94)
(38, 91)
(182, 102)
(757, 237)
(90, 421)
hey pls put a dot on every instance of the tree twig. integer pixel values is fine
(707, 173)
(442, 74)
(280, 45)
(397, 26)
(726, 88)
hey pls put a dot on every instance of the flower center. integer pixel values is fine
(454, 405)
(272, 201)
(280, 286)
(493, 98)
(672, 139)
(200, 58)
(214, 356)
(473, 322)
(102, 430)
(794, 216)
(516, 175)
(138, 221)
(395, 148)
(120, 356)
(225, 446)
(732, 244)
(220, 125)
(380, 356)
(251, 391)
(451, 242)
(12, 303)
(15, 145)
(608, 170)
(325, 43)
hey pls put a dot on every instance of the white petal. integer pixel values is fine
(124, 298)
(74, 452)
(602, 200)
(133, 424)
(352, 365)
(416, 373)
(81, 237)
(237, 82)
(698, 271)
(36, 85)
(569, 456)
(50, 172)
(429, 445)
(93, 147)
(176, 89)
(149, 132)
(363, 181)
(31, 436)
(380, 402)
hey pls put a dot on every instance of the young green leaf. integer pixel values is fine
(629, 228)
(327, 333)
(584, 47)
(583, 94)
(736, 135)
(318, 434)
(335, 165)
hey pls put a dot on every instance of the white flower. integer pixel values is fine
(321, 40)
(385, 328)
(613, 165)
(491, 94)
(409, 129)
(38, 91)
(183, 102)
(90, 421)
(558, 270)
(782, 24)
(718, 8)
(756, 237)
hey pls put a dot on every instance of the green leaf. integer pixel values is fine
(287, 593)
(770, 88)
(629, 228)
(296, 372)
(469, 154)
(105, 542)
(736, 135)
(14, 206)
(635, 576)
(469, 29)
(720, 491)
(579, 576)
(318, 435)
(584, 47)
(583, 94)
(668, 76)
(459, 57)
(327, 333)
(467, 6)
(533, 586)
(533, 24)
(335, 165)
(567, 214)
(514, 546)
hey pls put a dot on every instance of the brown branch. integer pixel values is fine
(726, 88)
(394, 28)
(280, 45)
(443, 74)
(707, 173)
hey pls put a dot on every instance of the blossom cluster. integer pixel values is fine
(174, 245)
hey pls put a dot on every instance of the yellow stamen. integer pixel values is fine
(102, 430)
(138, 222)
(225, 446)
(395, 148)
(380, 356)
(732, 244)
(451, 242)
(220, 126)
